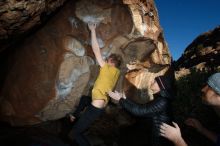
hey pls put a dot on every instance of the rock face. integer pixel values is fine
(202, 54)
(52, 68)
(17, 17)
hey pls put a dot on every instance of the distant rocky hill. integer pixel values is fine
(202, 54)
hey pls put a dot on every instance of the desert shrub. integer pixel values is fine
(188, 94)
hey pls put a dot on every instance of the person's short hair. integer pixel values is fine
(116, 59)
(214, 82)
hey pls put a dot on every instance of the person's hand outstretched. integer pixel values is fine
(115, 95)
(171, 133)
(92, 26)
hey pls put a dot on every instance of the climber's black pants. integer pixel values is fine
(82, 124)
(84, 102)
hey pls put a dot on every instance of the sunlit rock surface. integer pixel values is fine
(54, 66)
(202, 54)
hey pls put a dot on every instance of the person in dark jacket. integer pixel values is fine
(159, 109)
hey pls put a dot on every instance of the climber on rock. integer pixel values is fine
(106, 81)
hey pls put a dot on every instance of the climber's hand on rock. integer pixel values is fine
(92, 25)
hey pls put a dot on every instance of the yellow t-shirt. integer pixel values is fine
(106, 80)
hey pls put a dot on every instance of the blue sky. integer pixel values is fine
(183, 20)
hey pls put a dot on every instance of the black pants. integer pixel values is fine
(84, 102)
(85, 120)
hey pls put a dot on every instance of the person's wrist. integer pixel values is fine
(202, 130)
(178, 140)
(92, 29)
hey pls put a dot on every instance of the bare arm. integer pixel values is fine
(210, 135)
(200, 128)
(95, 45)
(147, 110)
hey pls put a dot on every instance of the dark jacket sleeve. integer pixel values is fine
(149, 109)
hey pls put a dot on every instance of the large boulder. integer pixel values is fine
(49, 71)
